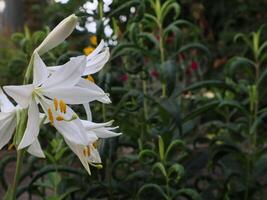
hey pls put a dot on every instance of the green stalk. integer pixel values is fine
(253, 136)
(21, 127)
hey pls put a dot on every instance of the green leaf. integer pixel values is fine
(152, 186)
(161, 148)
(203, 108)
(167, 7)
(191, 194)
(177, 170)
(159, 166)
(209, 83)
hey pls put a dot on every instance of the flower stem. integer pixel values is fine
(19, 162)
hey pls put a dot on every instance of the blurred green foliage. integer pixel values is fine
(187, 83)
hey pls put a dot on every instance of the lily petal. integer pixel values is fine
(40, 72)
(7, 128)
(72, 130)
(91, 125)
(94, 156)
(5, 104)
(88, 111)
(78, 150)
(21, 94)
(96, 63)
(58, 34)
(74, 94)
(32, 128)
(105, 133)
(67, 75)
(97, 50)
(36, 150)
(92, 86)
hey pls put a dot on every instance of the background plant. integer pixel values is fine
(180, 85)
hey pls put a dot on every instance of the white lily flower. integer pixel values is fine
(8, 122)
(60, 86)
(88, 154)
(58, 34)
(94, 62)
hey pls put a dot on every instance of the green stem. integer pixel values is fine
(253, 136)
(19, 162)
(104, 112)
(162, 58)
(100, 9)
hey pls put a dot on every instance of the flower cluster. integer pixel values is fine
(48, 97)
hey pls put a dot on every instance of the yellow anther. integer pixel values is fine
(88, 50)
(62, 106)
(60, 118)
(98, 166)
(50, 116)
(93, 40)
(95, 144)
(87, 152)
(10, 146)
(56, 103)
(90, 78)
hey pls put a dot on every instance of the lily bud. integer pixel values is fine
(58, 34)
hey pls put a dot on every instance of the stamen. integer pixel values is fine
(60, 118)
(93, 40)
(50, 116)
(87, 152)
(98, 166)
(56, 103)
(95, 144)
(10, 146)
(90, 78)
(62, 106)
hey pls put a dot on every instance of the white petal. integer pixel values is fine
(32, 128)
(67, 75)
(105, 133)
(74, 94)
(88, 111)
(101, 130)
(78, 150)
(92, 86)
(21, 94)
(5, 104)
(58, 34)
(94, 156)
(35, 149)
(97, 50)
(91, 125)
(96, 63)
(40, 72)
(7, 128)
(72, 132)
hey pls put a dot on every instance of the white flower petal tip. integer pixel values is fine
(58, 34)
(5, 104)
(36, 150)
(21, 94)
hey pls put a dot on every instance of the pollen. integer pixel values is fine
(60, 118)
(95, 144)
(62, 106)
(93, 40)
(88, 50)
(50, 116)
(90, 78)
(56, 104)
(87, 152)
